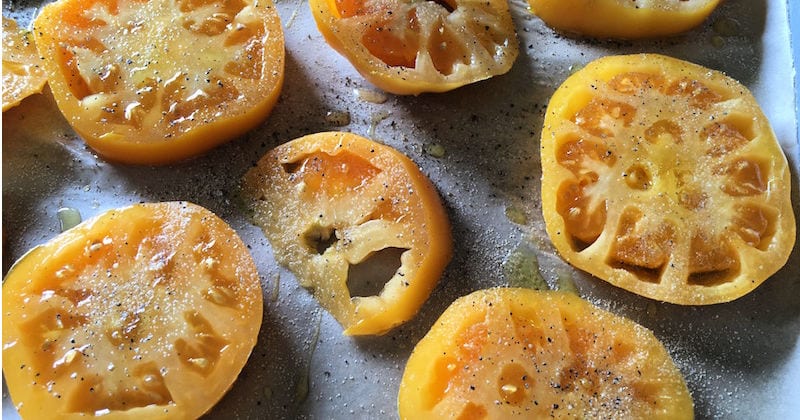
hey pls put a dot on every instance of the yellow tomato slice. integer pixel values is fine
(153, 82)
(624, 19)
(341, 211)
(665, 178)
(519, 353)
(22, 68)
(410, 47)
(148, 311)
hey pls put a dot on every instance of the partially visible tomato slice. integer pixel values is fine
(410, 47)
(153, 82)
(149, 311)
(342, 211)
(665, 178)
(623, 19)
(519, 353)
(22, 68)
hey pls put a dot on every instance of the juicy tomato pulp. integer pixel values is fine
(623, 19)
(410, 47)
(149, 311)
(665, 178)
(356, 222)
(153, 82)
(22, 68)
(520, 353)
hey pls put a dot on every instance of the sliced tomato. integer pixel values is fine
(624, 19)
(519, 353)
(153, 82)
(665, 178)
(342, 211)
(22, 68)
(410, 47)
(149, 311)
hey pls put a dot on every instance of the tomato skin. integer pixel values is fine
(357, 197)
(670, 191)
(623, 20)
(117, 317)
(137, 102)
(22, 71)
(412, 47)
(522, 353)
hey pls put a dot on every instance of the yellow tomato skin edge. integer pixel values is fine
(604, 69)
(610, 19)
(29, 273)
(200, 139)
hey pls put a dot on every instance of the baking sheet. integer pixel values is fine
(740, 359)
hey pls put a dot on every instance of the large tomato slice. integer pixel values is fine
(342, 211)
(155, 81)
(519, 353)
(623, 18)
(665, 178)
(149, 311)
(410, 47)
(22, 68)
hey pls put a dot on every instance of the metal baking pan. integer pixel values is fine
(741, 359)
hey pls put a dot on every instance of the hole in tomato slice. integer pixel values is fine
(320, 238)
(368, 277)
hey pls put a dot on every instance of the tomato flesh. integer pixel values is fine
(124, 314)
(521, 353)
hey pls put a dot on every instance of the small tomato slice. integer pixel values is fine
(153, 82)
(665, 178)
(344, 213)
(22, 68)
(148, 311)
(623, 19)
(519, 353)
(410, 47)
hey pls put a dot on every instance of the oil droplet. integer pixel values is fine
(301, 390)
(521, 269)
(565, 281)
(68, 218)
(276, 287)
(516, 215)
(369, 95)
(435, 150)
(375, 120)
(726, 27)
(338, 118)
